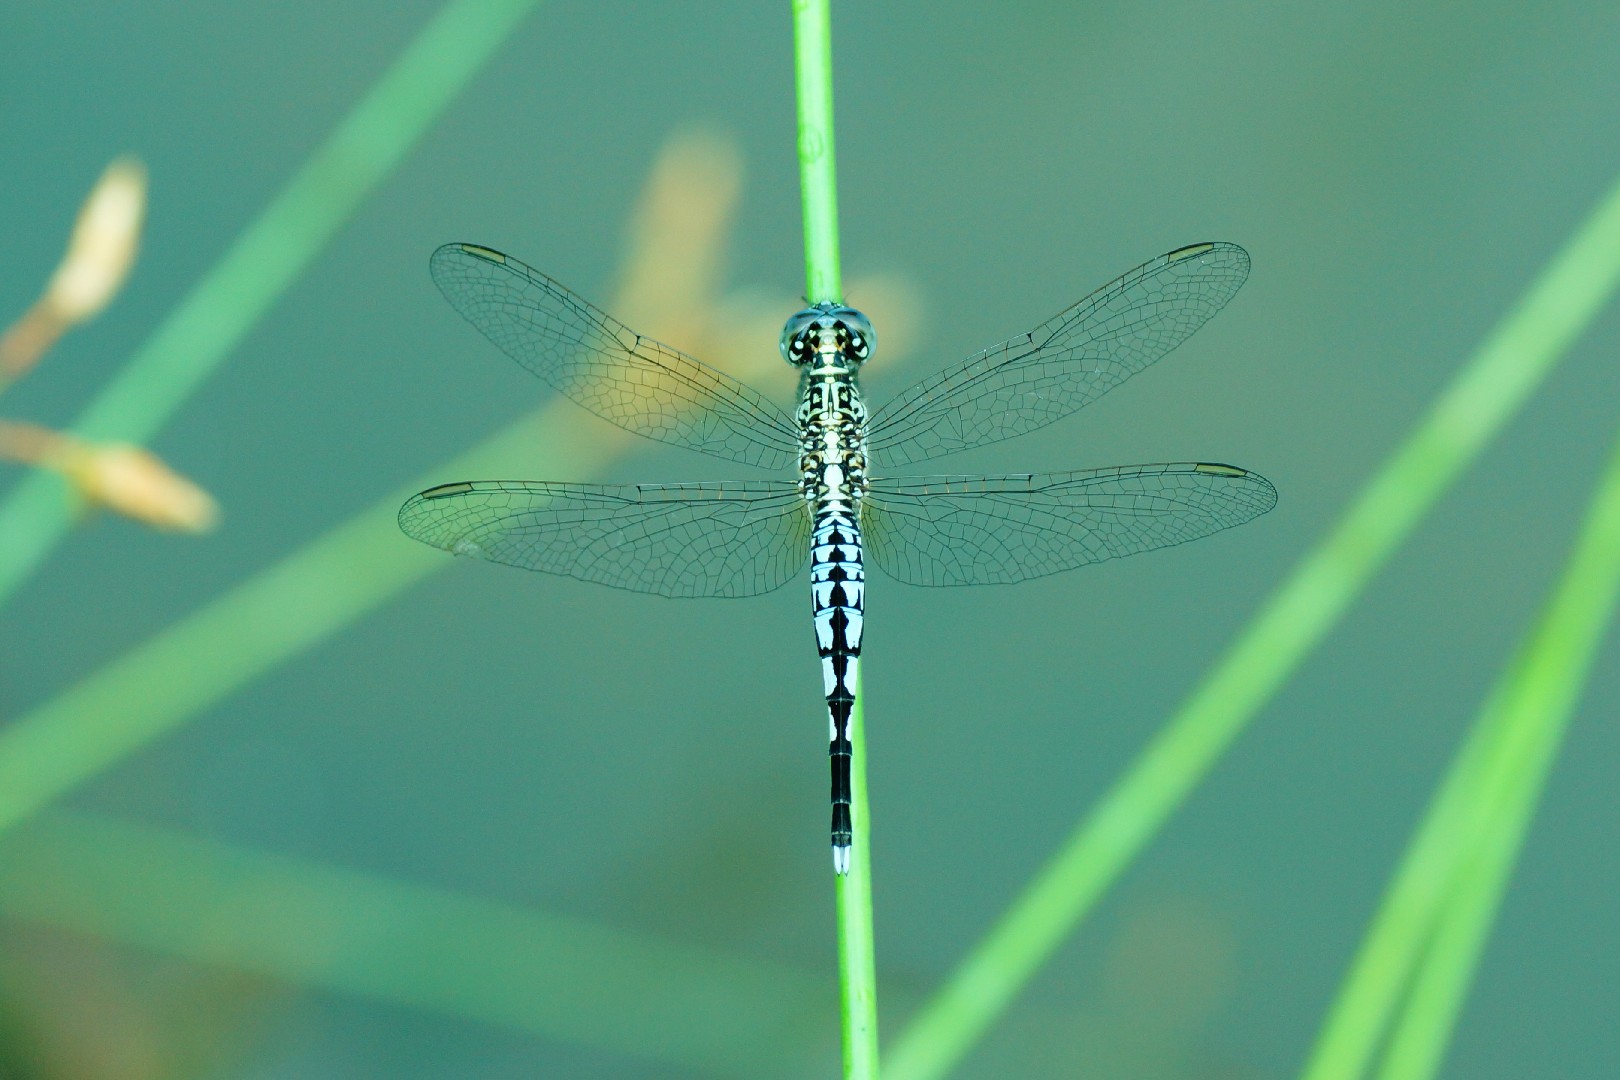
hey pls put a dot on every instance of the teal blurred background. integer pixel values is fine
(1398, 173)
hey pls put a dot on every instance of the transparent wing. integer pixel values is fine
(712, 539)
(981, 530)
(614, 372)
(1065, 363)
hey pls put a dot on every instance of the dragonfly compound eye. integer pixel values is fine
(825, 327)
(799, 337)
(859, 339)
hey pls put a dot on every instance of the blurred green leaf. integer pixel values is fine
(265, 259)
(1425, 941)
(563, 978)
(255, 627)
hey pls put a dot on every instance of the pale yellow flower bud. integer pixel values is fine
(103, 246)
(136, 483)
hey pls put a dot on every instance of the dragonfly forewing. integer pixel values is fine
(712, 539)
(1064, 364)
(630, 380)
(982, 530)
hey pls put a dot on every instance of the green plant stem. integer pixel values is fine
(857, 962)
(818, 186)
(818, 180)
(265, 259)
(1293, 620)
(1529, 713)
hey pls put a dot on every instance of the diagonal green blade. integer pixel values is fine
(265, 259)
(257, 626)
(324, 586)
(1528, 714)
(1490, 388)
(1405, 919)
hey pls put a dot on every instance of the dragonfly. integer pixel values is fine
(838, 510)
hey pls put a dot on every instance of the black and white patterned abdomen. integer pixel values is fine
(833, 465)
(838, 584)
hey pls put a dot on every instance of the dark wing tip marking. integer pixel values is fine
(1192, 251)
(416, 520)
(1213, 468)
(478, 251)
(1189, 251)
(444, 491)
(1265, 488)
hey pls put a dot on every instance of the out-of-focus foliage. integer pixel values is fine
(1398, 174)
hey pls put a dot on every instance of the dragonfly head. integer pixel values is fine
(829, 335)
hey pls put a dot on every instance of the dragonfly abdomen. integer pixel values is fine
(838, 585)
(833, 463)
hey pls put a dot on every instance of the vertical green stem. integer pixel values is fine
(857, 962)
(818, 182)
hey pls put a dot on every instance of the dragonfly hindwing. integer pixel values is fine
(714, 539)
(981, 530)
(630, 380)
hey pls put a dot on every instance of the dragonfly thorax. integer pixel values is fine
(832, 450)
(828, 336)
